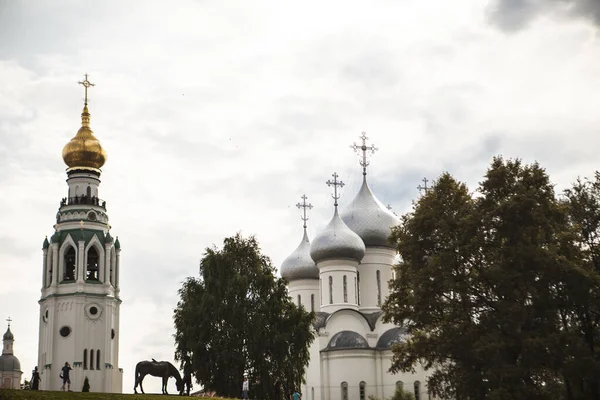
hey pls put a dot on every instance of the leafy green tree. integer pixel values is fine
(86, 385)
(479, 289)
(237, 318)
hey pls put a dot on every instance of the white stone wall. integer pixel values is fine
(79, 182)
(375, 259)
(307, 289)
(334, 271)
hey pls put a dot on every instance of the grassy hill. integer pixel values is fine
(44, 395)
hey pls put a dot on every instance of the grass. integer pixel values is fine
(45, 395)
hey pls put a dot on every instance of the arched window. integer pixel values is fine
(97, 359)
(312, 302)
(417, 390)
(91, 359)
(321, 290)
(345, 289)
(312, 393)
(361, 390)
(92, 264)
(344, 390)
(69, 273)
(84, 358)
(358, 284)
(89, 191)
(378, 288)
(299, 300)
(112, 263)
(330, 290)
(355, 291)
(399, 385)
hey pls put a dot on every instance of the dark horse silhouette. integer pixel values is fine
(162, 369)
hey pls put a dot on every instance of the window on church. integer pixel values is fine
(417, 390)
(84, 358)
(321, 290)
(312, 302)
(361, 390)
(345, 289)
(299, 300)
(378, 288)
(344, 390)
(69, 274)
(89, 191)
(112, 263)
(312, 393)
(358, 285)
(399, 385)
(91, 359)
(92, 264)
(97, 359)
(355, 291)
(330, 290)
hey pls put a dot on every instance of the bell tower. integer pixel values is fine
(79, 305)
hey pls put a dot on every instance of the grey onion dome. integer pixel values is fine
(391, 337)
(9, 363)
(8, 335)
(337, 242)
(299, 265)
(369, 219)
(347, 340)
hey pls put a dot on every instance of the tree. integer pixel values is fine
(237, 318)
(86, 385)
(479, 286)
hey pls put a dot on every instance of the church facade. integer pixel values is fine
(79, 304)
(343, 277)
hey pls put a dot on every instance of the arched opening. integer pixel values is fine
(112, 264)
(92, 268)
(97, 359)
(345, 282)
(358, 286)
(344, 390)
(361, 390)
(299, 300)
(312, 393)
(330, 290)
(88, 191)
(91, 359)
(399, 385)
(378, 288)
(312, 303)
(84, 358)
(355, 291)
(69, 263)
(417, 390)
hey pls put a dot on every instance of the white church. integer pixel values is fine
(79, 304)
(343, 277)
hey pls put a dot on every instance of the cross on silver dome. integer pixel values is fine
(304, 205)
(335, 184)
(9, 321)
(424, 187)
(364, 148)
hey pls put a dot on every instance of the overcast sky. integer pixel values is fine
(218, 115)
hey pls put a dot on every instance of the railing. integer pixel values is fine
(85, 200)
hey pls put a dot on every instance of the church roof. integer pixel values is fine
(391, 337)
(8, 335)
(299, 265)
(9, 362)
(369, 218)
(337, 242)
(347, 340)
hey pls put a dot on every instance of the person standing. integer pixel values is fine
(245, 388)
(296, 396)
(35, 379)
(65, 377)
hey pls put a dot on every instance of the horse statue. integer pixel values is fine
(162, 369)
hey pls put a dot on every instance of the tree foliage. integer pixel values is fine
(86, 385)
(499, 289)
(237, 318)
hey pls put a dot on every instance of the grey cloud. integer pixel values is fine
(515, 15)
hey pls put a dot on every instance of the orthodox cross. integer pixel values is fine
(364, 148)
(335, 184)
(424, 187)
(9, 321)
(86, 84)
(390, 208)
(304, 205)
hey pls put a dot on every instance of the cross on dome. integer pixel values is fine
(86, 84)
(304, 206)
(335, 184)
(424, 187)
(364, 148)
(9, 321)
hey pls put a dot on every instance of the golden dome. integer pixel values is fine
(84, 150)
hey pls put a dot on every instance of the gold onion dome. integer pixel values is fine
(84, 150)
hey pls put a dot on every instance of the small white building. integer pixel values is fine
(343, 277)
(79, 304)
(10, 367)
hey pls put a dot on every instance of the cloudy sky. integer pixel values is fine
(217, 116)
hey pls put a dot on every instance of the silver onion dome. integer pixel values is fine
(299, 265)
(337, 242)
(369, 219)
